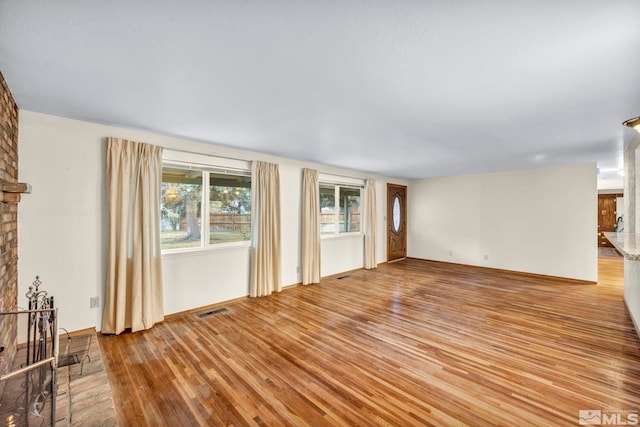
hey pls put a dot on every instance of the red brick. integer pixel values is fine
(9, 228)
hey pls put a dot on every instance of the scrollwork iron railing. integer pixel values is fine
(40, 367)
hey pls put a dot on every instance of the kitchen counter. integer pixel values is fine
(627, 243)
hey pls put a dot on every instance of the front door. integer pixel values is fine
(396, 222)
(607, 216)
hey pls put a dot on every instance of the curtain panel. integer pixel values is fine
(310, 227)
(134, 296)
(266, 276)
(370, 225)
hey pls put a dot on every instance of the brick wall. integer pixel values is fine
(8, 224)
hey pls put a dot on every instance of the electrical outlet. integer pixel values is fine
(94, 302)
(450, 253)
(297, 269)
(486, 257)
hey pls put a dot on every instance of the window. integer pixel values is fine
(230, 206)
(327, 209)
(339, 209)
(181, 209)
(184, 205)
(349, 209)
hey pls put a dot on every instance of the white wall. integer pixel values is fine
(342, 253)
(619, 209)
(62, 223)
(539, 221)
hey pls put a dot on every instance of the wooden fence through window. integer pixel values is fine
(326, 221)
(230, 222)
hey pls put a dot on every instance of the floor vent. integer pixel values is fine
(342, 277)
(212, 312)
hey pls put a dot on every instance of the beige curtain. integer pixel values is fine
(370, 225)
(134, 270)
(310, 227)
(265, 239)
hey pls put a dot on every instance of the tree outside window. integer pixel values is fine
(327, 209)
(349, 210)
(180, 211)
(230, 205)
(183, 208)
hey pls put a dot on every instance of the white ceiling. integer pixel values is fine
(408, 89)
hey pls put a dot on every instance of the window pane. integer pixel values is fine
(349, 210)
(180, 210)
(230, 200)
(327, 209)
(396, 214)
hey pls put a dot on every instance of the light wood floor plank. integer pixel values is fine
(411, 343)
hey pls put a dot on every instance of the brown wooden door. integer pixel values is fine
(606, 216)
(396, 222)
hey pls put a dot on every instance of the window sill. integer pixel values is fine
(220, 247)
(341, 236)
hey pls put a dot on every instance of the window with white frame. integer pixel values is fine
(230, 204)
(339, 209)
(201, 207)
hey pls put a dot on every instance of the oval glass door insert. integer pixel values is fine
(396, 214)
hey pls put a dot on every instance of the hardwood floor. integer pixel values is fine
(411, 343)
